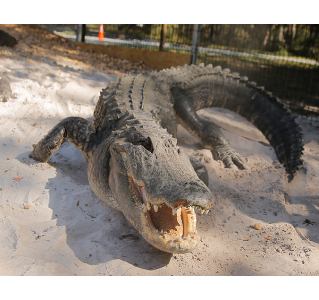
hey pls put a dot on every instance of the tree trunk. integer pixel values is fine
(281, 38)
(294, 31)
(211, 32)
(291, 32)
(268, 34)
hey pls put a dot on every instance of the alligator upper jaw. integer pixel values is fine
(169, 229)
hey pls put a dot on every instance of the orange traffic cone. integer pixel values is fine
(101, 33)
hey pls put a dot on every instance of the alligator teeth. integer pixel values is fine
(193, 211)
(188, 237)
(179, 238)
(201, 211)
(174, 211)
(148, 206)
(162, 231)
(155, 207)
(206, 211)
(144, 208)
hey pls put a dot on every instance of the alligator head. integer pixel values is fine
(157, 189)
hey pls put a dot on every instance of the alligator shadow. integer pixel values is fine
(95, 232)
(305, 220)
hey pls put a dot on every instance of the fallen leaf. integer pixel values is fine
(27, 206)
(18, 140)
(34, 124)
(267, 238)
(8, 158)
(17, 179)
(77, 204)
(246, 238)
(257, 226)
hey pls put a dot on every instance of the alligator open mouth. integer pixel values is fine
(175, 226)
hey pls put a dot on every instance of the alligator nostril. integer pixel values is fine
(179, 202)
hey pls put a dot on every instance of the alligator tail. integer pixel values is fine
(277, 124)
(213, 87)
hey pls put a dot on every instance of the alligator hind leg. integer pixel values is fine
(209, 134)
(79, 131)
(213, 139)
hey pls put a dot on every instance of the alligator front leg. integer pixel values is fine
(79, 131)
(200, 169)
(209, 134)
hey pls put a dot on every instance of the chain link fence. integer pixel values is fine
(283, 58)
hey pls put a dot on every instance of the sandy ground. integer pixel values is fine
(51, 223)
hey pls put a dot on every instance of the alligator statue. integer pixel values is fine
(134, 163)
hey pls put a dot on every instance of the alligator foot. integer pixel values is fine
(200, 169)
(229, 157)
(78, 130)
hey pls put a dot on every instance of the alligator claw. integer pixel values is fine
(229, 157)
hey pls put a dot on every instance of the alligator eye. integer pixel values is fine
(137, 138)
(148, 145)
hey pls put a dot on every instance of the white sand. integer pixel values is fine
(51, 223)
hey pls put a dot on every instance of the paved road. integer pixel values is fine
(150, 43)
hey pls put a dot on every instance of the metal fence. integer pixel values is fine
(283, 58)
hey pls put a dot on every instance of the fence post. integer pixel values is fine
(163, 35)
(196, 33)
(80, 33)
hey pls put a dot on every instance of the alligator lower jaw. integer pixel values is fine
(171, 233)
(169, 229)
